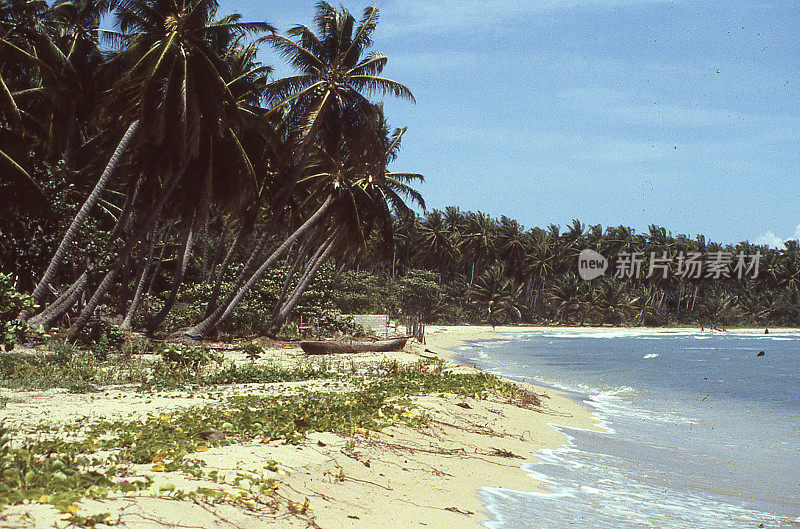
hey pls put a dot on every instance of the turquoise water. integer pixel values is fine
(702, 433)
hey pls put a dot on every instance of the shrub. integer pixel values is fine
(253, 351)
(187, 356)
(417, 293)
(135, 345)
(332, 321)
(12, 303)
(100, 338)
(61, 351)
(288, 331)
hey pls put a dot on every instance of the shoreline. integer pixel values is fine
(441, 340)
(446, 336)
(637, 409)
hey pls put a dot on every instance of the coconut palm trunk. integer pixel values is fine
(116, 266)
(224, 311)
(279, 208)
(218, 253)
(322, 255)
(123, 222)
(243, 274)
(223, 269)
(69, 141)
(206, 255)
(124, 288)
(47, 320)
(159, 261)
(187, 240)
(83, 213)
(298, 260)
(65, 301)
(140, 285)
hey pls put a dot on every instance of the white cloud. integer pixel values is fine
(770, 239)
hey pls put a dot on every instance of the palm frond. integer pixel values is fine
(373, 85)
(362, 38)
(298, 56)
(289, 88)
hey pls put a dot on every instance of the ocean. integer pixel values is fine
(700, 431)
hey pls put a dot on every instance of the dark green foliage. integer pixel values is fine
(12, 303)
(530, 275)
(361, 293)
(101, 339)
(182, 356)
(253, 351)
(417, 293)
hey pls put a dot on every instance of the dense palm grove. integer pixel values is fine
(160, 178)
(495, 270)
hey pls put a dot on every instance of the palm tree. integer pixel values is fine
(25, 26)
(567, 295)
(334, 77)
(406, 237)
(511, 246)
(613, 301)
(498, 294)
(365, 197)
(67, 62)
(538, 264)
(436, 245)
(477, 242)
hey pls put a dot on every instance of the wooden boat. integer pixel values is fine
(349, 346)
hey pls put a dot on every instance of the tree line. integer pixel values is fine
(489, 269)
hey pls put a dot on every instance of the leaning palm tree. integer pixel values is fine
(333, 83)
(173, 85)
(66, 58)
(365, 198)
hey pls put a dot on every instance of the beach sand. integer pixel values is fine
(401, 477)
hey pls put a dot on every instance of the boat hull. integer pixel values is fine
(332, 347)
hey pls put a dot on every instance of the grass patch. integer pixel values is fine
(68, 466)
(63, 366)
(231, 373)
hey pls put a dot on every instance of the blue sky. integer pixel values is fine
(679, 113)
